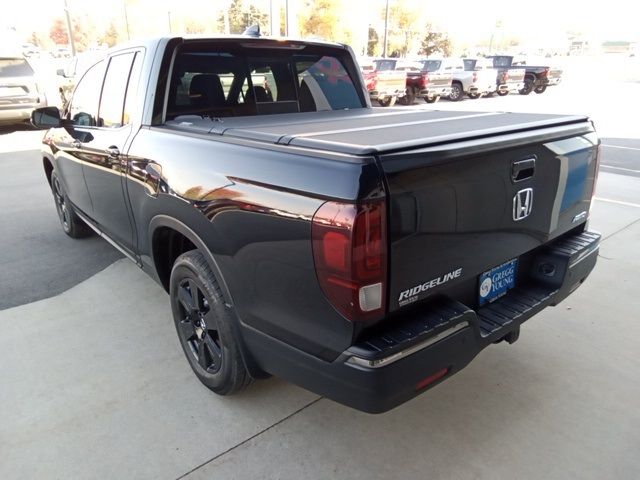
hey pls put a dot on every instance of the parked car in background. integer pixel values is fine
(475, 82)
(384, 83)
(20, 93)
(536, 78)
(431, 79)
(505, 81)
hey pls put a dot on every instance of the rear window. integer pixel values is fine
(15, 67)
(384, 65)
(240, 82)
(431, 65)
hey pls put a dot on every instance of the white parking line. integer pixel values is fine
(618, 146)
(620, 168)
(618, 202)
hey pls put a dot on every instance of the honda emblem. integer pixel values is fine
(522, 204)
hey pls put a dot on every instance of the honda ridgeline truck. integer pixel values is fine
(364, 254)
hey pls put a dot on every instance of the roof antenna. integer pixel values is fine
(252, 31)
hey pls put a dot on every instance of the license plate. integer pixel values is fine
(494, 283)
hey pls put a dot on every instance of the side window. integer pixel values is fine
(114, 90)
(83, 110)
(132, 89)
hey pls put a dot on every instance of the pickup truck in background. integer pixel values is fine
(506, 80)
(536, 78)
(475, 82)
(365, 255)
(430, 80)
(384, 84)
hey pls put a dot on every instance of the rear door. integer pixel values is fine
(105, 159)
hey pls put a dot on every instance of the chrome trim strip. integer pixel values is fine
(383, 362)
(585, 254)
(107, 238)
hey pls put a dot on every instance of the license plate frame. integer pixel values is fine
(496, 282)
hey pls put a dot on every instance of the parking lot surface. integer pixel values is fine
(95, 385)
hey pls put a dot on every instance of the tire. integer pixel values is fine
(204, 325)
(387, 102)
(457, 92)
(528, 87)
(473, 96)
(408, 99)
(432, 99)
(540, 89)
(71, 224)
(503, 93)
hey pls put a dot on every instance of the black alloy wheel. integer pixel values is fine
(69, 220)
(206, 325)
(198, 327)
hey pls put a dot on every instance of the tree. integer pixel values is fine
(241, 17)
(323, 20)
(111, 36)
(58, 32)
(404, 18)
(194, 26)
(372, 43)
(435, 42)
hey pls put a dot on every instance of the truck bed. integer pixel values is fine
(367, 132)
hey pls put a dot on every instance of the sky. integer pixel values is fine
(610, 20)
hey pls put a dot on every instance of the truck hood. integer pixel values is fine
(371, 132)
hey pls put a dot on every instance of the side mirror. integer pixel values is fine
(60, 72)
(46, 117)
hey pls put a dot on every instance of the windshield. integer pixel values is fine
(15, 67)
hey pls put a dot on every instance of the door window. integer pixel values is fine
(83, 110)
(114, 90)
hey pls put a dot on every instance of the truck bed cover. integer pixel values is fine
(369, 132)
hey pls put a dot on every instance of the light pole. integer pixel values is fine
(386, 28)
(72, 42)
(126, 19)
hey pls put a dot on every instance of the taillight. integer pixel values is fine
(424, 80)
(474, 77)
(505, 77)
(350, 254)
(371, 80)
(545, 72)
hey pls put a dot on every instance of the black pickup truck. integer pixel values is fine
(364, 254)
(536, 78)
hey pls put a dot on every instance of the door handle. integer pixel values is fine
(113, 151)
(523, 169)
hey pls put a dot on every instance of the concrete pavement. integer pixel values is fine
(95, 386)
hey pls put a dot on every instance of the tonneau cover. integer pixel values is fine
(371, 131)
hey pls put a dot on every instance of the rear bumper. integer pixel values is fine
(382, 94)
(511, 87)
(436, 341)
(435, 91)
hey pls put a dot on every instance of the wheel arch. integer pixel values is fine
(48, 168)
(159, 224)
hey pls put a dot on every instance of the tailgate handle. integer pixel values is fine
(523, 169)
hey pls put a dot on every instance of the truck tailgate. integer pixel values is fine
(458, 211)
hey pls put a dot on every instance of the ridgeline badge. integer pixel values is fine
(411, 295)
